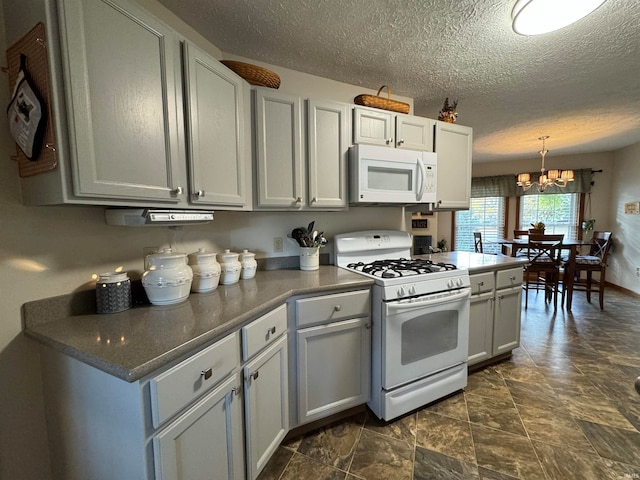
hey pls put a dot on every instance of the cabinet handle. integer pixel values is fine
(177, 191)
(235, 391)
(367, 326)
(299, 200)
(314, 200)
(271, 330)
(255, 375)
(389, 141)
(200, 193)
(401, 141)
(337, 308)
(512, 278)
(207, 373)
(500, 297)
(480, 284)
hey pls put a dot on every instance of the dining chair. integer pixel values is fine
(595, 261)
(520, 233)
(543, 270)
(477, 242)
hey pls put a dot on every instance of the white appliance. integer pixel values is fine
(420, 316)
(384, 175)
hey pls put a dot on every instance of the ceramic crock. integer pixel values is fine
(249, 264)
(168, 278)
(206, 271)
(230, 267)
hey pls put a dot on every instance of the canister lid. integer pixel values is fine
(112, 277)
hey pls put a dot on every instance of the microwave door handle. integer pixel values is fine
(423, 178)
(429, 302)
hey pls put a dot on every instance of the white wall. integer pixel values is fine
(625, 252)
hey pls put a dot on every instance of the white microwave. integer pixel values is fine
(385, 175)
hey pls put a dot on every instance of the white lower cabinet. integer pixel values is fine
(333, 354)
(334, 366)
(206, 441)
(495, 314)
(266, 405)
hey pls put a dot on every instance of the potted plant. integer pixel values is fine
(537, 227)
(587, 228)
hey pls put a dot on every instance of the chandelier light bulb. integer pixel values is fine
(536, 17)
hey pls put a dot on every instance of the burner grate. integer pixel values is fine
(402, 267)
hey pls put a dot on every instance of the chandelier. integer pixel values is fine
(558, 178)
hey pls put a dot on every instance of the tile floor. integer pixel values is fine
(563, 407)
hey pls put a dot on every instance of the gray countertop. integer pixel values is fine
(476, 262)
(134, 343)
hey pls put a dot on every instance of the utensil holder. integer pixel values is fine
(309, 258)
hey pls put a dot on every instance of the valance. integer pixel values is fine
(494, 186)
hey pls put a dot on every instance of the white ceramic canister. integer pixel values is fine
(168, 278)
(249, 264)
(113, 292)
(206, 271)
(230, 267)
(309, 258)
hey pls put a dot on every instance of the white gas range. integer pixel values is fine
(420, 316)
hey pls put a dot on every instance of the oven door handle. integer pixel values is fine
(429, 302)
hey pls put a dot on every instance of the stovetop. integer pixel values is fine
(385, 256)
(401, 267)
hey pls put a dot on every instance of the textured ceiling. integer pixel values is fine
(580, 85)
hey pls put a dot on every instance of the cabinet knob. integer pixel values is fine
(480, 284)
(271, 330)
(235, 390)
(389, 141)
(314, 199)
(255, 375)
(367, 326)
(207, 373)
(200, 193)
(512, 278)
(177, 191)
(299, 200)
(401, 141)
(337, 308)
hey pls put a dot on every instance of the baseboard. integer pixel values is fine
(622, 289)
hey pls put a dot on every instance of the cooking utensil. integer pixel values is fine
(297, 235)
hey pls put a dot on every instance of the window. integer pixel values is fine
(487, 216)
(559, 213)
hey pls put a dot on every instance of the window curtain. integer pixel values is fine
(495, 186)
(580, 184)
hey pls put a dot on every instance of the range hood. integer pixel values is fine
(148, 217)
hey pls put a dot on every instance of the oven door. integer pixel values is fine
(423, 335)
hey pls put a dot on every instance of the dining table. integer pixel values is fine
(513, 245)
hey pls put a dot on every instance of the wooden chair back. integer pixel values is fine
(544, 249)
(520, 233)
(601, 243)
(477, 242)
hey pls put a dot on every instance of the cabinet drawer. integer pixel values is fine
(509, 278)
(178, 386)
(337, 306)
(263, 331)
(482, 282)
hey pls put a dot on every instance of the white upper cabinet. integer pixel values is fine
(279, 171)
(453, 144)
(301, 160)
(123, 93)
(217, 131)
(327, 146)
(380, 127)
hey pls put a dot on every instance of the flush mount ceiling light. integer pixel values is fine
(535, 17)
(558, 178)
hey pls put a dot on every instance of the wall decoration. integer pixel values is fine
(419, 223)
(632, 208)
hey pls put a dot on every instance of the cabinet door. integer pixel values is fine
(334, 368)
(453, 145)
(266, 405)
(215, 105)
(123, 90)
(373, 127)
(327, 145)
(480, 327)
(205, 442)
(506, 329)
(279, 159)
(414, 133)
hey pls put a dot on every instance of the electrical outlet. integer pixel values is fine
(277, 244)
(637, 271)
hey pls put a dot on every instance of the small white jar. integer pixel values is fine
(249, 264)
(230, 267)
(206, 271)
(168, 278)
